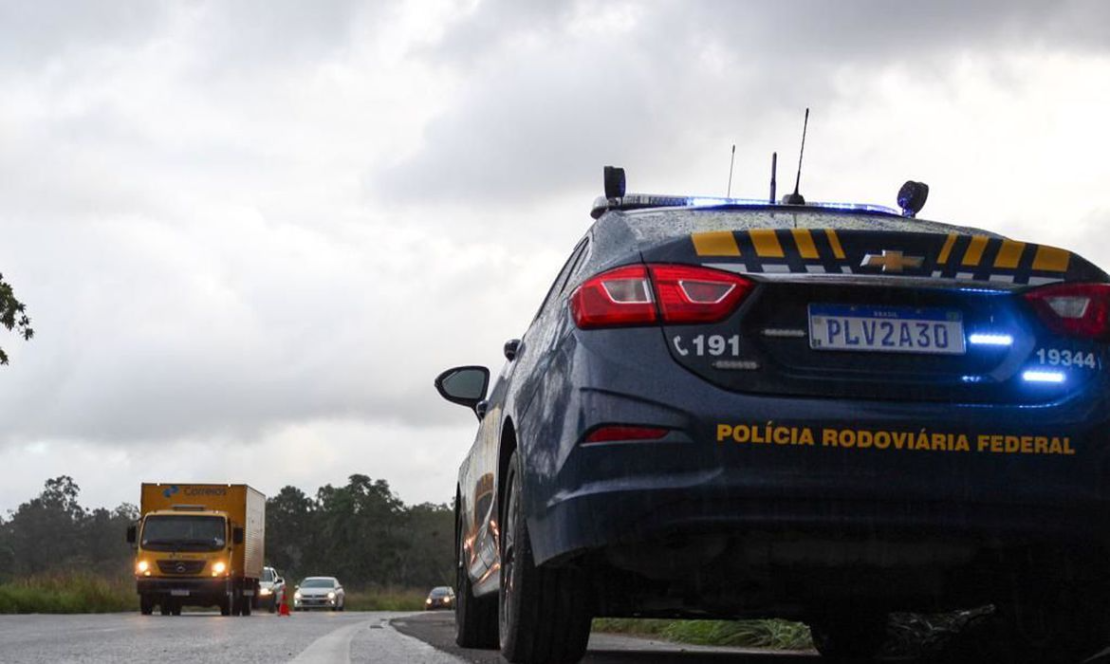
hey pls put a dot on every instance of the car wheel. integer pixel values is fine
(476, 617)
(847, 634)
(544, 611)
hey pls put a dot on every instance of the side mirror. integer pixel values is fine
(237, 535)
(132, 531)
(512, 347)
(465, 386)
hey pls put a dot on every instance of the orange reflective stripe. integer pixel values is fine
(715, 243)
(1009, 254)
(975, 249)
(834, 242)
(766, 243)
(804, 240)
(1051, 259)
(947, 250)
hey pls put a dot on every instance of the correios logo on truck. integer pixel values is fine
(205, 491)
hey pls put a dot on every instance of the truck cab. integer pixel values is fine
(199, 545)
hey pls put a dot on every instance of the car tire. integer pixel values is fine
(849, 635)
(476, 617)
(545, 612)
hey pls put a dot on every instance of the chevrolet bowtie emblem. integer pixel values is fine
(892, 261)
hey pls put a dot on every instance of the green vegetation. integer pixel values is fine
(67, 593)
(387, 599)
(387, 554)
(12, 315)
(776, 634)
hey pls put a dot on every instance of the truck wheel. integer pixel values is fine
(545, 612)
(146, 604)
(226, 605)
(475, 617)
(847, 634)
(164, 607)
(247, 603)
(175, 607)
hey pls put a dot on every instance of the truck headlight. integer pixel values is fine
(142, 566)
(219, 568)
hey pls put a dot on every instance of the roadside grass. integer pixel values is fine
(67, 592)
(386, 599)
(772, 634)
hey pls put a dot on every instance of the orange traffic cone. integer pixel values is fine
(283, 610)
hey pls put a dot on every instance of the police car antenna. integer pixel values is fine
(774, 169)
(731, 162)
(796, 198)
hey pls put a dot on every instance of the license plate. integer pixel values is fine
(886, 329)
(179, 593)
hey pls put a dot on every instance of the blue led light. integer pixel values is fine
(971, 379)
(990, 339)
(1040, 376)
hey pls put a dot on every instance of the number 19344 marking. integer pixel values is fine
(715, 345)
(1062, 357)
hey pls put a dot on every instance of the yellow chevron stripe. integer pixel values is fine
(766, 243)
(715, 243)
(974, 252)
(947, 249)
(834, 242)
(804, 240)
(1009, 254)
(1051, 259)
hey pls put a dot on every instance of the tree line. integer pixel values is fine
(361, 533)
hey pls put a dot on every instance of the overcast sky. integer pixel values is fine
(250, 234)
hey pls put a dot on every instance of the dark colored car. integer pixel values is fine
(440, 597)
(828, 413)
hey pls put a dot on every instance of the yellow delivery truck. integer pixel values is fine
(199, 545)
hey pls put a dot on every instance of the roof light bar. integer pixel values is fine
(639, 201)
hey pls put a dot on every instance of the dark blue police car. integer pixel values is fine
(728, 408)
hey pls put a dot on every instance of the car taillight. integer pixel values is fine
(610, 433)
(689, 294)
(626, 296)
(619, 297)
(1078, 310)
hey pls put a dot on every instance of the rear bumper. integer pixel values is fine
(744, 466)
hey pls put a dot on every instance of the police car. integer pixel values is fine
(731, 408)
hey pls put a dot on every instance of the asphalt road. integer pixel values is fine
(438, 629)
(304, 638)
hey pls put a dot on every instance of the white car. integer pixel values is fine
(271, 588)
(319, 592)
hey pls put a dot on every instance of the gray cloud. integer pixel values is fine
(265, 227)
(546, 102)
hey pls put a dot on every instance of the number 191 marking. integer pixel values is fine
(714, 345)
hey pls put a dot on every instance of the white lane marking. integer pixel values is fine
(332, 648)
(389, 645)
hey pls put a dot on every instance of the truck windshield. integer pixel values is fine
(184, 532)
